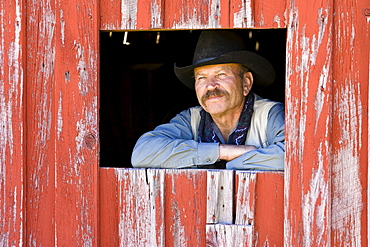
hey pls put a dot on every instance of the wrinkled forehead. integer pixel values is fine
(234, 67)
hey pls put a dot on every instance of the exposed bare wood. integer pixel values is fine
(245, 198)
(220, 193)
(49, 139)
(220, 235)
(135, 212)
(40, 134)
(168, 207)
(62, 134)
(74, 122)
(12, 107)
(156, 14)
(156, 182)
(185, 207)
(326, 166)
(349, 165)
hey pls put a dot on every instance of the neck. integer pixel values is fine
(227, 122)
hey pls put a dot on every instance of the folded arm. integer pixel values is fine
(172, 146)
(271, 157)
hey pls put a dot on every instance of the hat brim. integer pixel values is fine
(263, 72)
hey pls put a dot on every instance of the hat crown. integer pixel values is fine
(213, 44)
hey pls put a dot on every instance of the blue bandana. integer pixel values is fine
(206, 132)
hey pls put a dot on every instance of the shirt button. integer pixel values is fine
(208, 160)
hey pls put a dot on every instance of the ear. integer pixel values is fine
(247, 83)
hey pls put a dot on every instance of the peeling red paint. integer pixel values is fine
(326, 151)
(12, 108)
(154, 14)
(168, 208)
(49, 137)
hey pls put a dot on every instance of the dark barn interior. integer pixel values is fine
(139, 90)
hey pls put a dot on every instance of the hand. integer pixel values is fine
(229, 152)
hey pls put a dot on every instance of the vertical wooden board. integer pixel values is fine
(193, 14)
(40, 134)
(269, 209)
(109, 208)
(270, 14)
(135, 217)
(131, 207)
(185, 207)
(12, 149)
(220, 193)
(308, 123)
(257, 14)
(220, 235)
(75, 122)
(110, 14)
(245, 194)
(131, 14)
(350, 124)
(156, 180)
(241, 14)
(150, 14)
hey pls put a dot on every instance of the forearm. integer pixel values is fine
(230, 152)
(161, 152)
(270, 158)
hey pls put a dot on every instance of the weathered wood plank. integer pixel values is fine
(245, 196)
(154, 207)
(156, 180)
(326, 165)
(160, 207)
(185, 207)
(12, 115)
(257, 14)
(40, 132)
(192, 14)
(109, 207)
(75, 122)
(269, 209)
(220, 196)
(308, 124)
(349, 165)
(259, 202)
(220, 235)
(133, 193)
(131, 207)
(270, 14)
(131, 14)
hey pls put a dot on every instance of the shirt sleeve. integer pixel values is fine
(171, 145)
(271, 157)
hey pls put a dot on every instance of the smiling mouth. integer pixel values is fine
(214, 97)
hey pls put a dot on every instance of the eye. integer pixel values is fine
(221, 74)
(200, 78)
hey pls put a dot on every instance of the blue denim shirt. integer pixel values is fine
(172, 145)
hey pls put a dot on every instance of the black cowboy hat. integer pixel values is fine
(218, 47)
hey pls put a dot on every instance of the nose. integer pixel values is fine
(212, 83)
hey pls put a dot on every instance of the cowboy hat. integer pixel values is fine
(219, 47)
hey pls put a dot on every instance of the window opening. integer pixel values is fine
(139, 90)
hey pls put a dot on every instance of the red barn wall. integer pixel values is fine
(49, 98)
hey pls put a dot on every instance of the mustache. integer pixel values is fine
(215, 92)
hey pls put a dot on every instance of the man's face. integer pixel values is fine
(221, 88)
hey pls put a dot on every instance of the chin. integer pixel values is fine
(214, 110)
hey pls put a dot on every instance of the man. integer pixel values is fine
(232, 128)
